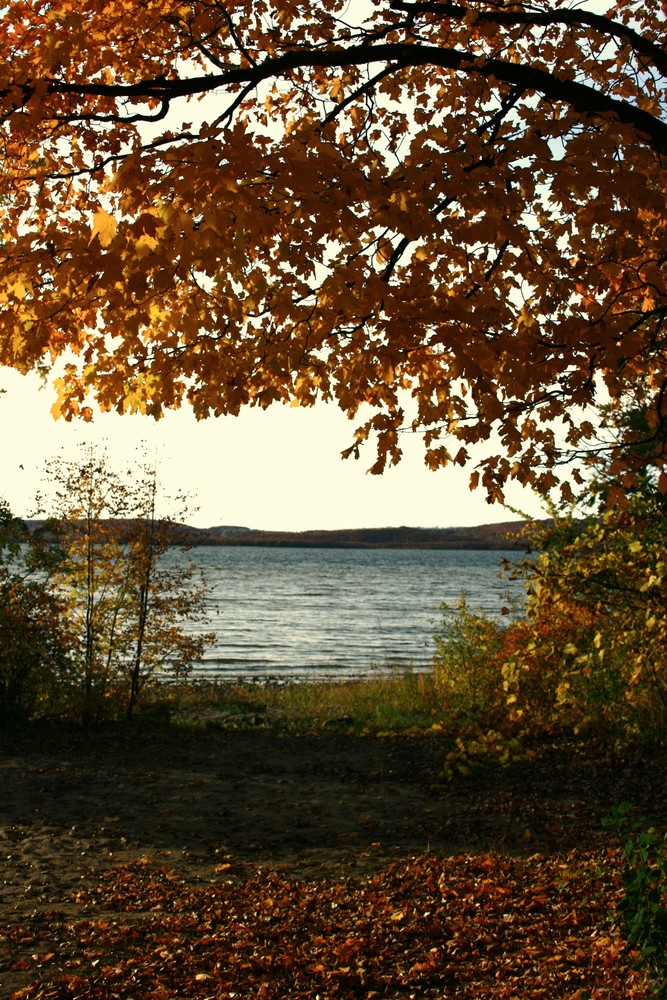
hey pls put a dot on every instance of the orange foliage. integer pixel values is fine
(445, 217)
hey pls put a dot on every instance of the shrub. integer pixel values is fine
(466, 660)
(589, 651)
(599, 587)
(35, 651)
(642, 910)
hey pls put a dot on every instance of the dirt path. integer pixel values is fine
(320, 806)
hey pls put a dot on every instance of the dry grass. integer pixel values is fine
(387, 702)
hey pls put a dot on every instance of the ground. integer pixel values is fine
(320, 806)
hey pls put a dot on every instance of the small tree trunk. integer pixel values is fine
(135, 680)
(147, 555)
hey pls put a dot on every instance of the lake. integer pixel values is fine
(294, 613)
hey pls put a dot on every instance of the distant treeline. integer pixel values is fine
(486, 536)
(483, 537)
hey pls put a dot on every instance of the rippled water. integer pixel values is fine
(284, 612)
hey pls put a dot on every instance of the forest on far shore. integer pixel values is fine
(485, 536)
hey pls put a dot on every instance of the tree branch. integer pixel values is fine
(582, 97)
(570, 18)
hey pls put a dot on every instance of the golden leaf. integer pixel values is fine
(104, 227)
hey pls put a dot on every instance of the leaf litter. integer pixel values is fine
(104, 910)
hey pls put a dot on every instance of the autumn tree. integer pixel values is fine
(83, 558)
(163, 594)
(104, 550)
(447, 217)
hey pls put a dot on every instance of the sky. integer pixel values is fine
(278, 469)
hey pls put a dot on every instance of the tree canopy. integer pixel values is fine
(447, 217)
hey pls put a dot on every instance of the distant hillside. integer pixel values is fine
(484, 536)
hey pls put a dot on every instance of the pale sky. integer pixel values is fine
(276, 469)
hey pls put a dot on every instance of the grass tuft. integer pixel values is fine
(385, 703)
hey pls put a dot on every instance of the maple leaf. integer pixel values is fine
(104, 227)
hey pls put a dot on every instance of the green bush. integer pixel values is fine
(642, 910)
